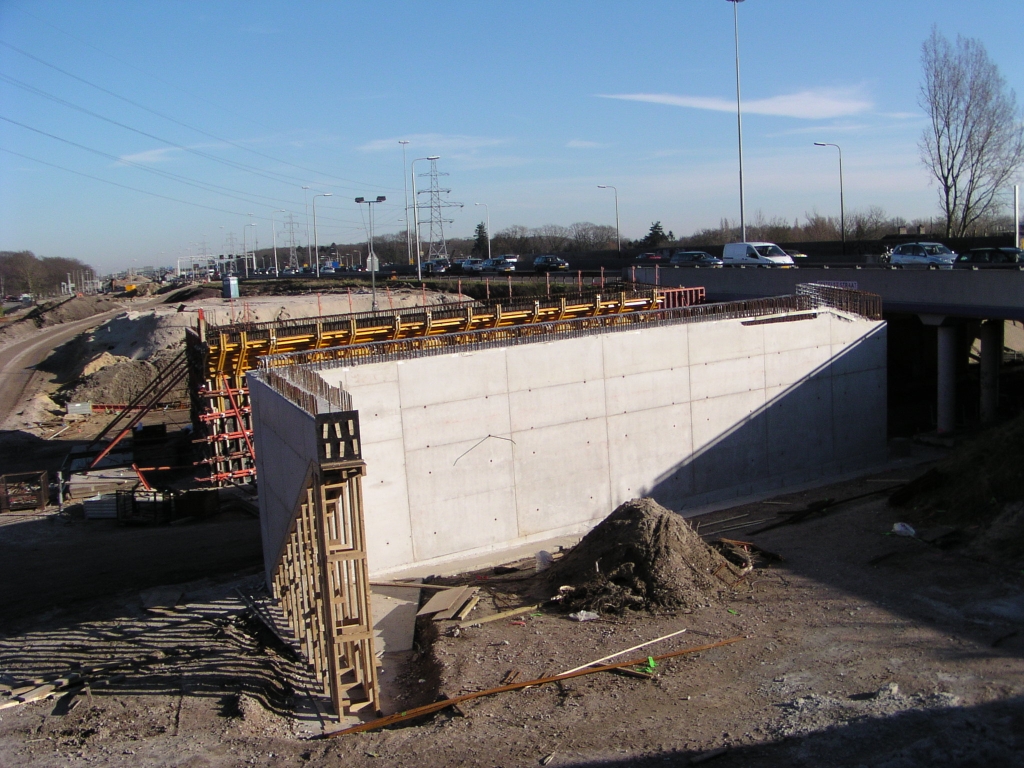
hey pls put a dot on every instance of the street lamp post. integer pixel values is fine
(305, 200)
(316, 242)
(245, 256)
(487, 208)
(254, 246)
(842, 203)
(273, 230)
(739, 118)
(405, 183)
(372, 257)
(416, 215)
(618, 241)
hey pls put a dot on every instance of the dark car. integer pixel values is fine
(989, 258)
(549, 264)
(694, 259)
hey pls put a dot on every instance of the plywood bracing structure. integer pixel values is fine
(220, 356)
(321, 579)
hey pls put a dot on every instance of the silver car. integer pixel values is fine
(931, 255)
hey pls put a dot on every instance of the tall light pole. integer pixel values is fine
(618, 241)
(372, 258)
(405, 183)
(306, 201)
(316, 242)
(253, 225)
(416, 214)
(245, 250)
(739, 118)
(487, 208)
(842, 203)
(273, 230)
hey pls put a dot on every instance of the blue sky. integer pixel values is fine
(205, 112)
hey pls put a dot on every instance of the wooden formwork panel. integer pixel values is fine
(321, 578)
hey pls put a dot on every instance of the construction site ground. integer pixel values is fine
(860, 648)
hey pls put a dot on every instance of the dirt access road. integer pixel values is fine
(860, 649)
(18, 358)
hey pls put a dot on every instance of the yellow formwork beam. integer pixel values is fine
(238, 351)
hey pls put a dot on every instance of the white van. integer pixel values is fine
(755, 255)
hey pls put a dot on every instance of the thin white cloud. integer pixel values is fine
(149, 156)
(582, 144)
(809, 105)
(434, 142)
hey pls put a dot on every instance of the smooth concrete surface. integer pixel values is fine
(983, 293)
(284, 439)
(488, 451)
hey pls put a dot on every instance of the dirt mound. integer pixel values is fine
(119, 382)
(70, 310)
(640, 556)
(193, 293)
(978, 489)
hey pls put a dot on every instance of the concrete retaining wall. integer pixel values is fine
(491, 449)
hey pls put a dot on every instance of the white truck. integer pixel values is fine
(755, 255)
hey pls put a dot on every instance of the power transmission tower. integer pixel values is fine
(438, 248)
(289, 227)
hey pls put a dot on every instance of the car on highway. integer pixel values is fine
(649, 257)
(436, 266)
(497, 265)
(755, 255)
(694, 259)
(471, 265)
(930, 255)
(548, 263)
(795, 254)
(989, 258)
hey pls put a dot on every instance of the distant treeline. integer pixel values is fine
(24, 272)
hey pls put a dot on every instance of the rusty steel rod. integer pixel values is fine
(437, 706)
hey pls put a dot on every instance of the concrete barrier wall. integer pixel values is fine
(488, 450)
(983, 293)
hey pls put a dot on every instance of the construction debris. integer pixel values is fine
(641, 556)
(24, 490)
(448, 702)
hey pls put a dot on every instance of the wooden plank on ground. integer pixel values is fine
(467, 593)
(442, 601)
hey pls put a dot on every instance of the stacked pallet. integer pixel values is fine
(84, 485)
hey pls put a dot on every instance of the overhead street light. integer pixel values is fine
(372, 258)
(618, 241)
(316, 242)
(274, 232)
(405, 184)
(739, 118)
(842, 204)
(416, 216)
(487, 208)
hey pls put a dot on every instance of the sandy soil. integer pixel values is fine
(861, 648)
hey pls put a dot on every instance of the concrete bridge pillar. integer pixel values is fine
(947, 379)
(991, 360)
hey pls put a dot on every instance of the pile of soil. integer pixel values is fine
(194, 293)
(70, 310)
(642, 556)
(978, 491)
(119, 381)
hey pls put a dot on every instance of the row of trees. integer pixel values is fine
(24, 272)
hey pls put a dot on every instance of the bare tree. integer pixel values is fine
(975, 143)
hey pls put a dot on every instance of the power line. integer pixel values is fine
(283, 179)
(122, 186)
(186, 125)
